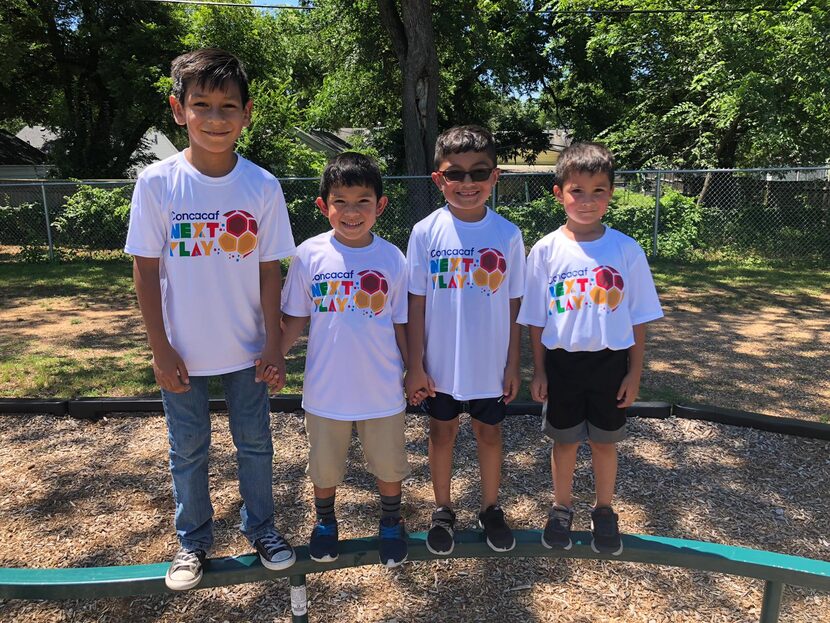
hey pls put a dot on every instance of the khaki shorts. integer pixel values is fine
(383, 441)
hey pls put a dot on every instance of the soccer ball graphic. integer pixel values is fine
(491, 269)
(373, 290)
(609, 287)
(240, 233)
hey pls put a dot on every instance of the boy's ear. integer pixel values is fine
(438, 179)
(382, 203)
(246, 119)
(557, 192)
(322, 205)
(178, 110)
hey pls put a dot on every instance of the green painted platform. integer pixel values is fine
(96, 582)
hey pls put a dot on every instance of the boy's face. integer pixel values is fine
(214, 118)
(467, 197)
(352, 211)
(585, 197)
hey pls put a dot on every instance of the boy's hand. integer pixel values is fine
(539, 386)
(629, 388)
(418, 385)
(170, 371)
(270, 369)
(512, 383)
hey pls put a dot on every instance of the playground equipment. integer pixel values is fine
(777, 570)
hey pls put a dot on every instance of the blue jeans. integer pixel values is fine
(188, 430)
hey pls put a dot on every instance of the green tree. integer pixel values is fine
(88, 70)
(720, 89)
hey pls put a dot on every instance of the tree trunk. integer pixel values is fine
(410, 30)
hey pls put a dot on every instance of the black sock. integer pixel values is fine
(390, 506)
(324, 507)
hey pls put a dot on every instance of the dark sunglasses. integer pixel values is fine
(456, 175)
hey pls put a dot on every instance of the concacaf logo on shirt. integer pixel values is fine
(366, 293)
(467, 268)
(200, 234)
(603, 285)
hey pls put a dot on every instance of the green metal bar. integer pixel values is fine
(299, 600)
(87, 583)
(771, 605)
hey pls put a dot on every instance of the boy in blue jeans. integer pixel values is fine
(588, 297)
(351, 284)
(207, 231)
(466, 275)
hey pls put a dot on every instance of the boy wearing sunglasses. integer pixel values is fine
(466, 276)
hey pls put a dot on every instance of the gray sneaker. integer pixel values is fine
(185, 570)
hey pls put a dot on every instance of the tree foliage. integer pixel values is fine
(746, 88)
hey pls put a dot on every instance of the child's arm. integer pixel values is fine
(292, 328)
(400, 338)
(168, 366)
(270, 367)
(539, 383)
(630, 386)
(512, 376)
(418, 383)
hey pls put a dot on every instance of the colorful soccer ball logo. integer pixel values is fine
(609, 287)
(240, 233)
(372, 292)
(491, 269)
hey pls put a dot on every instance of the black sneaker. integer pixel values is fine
(440, 536)
(274, 551)
(185, 570)
(558, 528)
(323, 544)
(498, 533)
(392, 546)
(606, 531)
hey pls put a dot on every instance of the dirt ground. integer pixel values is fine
(77, 493)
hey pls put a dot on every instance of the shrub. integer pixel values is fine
(94, 218)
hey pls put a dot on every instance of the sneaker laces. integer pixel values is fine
(273, 542)
(186, 561)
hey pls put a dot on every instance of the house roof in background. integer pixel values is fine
(321, 140)
(15, 151)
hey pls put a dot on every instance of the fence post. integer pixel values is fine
(656, 215)
(48, 225)
(299, 600)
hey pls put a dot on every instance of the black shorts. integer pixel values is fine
(582, 396)
(446, 408)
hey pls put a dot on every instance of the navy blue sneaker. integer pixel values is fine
(558, 528)
(606, 531)
(499, 535)
(323, 544)
(392, 546)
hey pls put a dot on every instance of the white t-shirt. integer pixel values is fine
(354, 296)
(588, 295)
(210, 234)
(468, 273)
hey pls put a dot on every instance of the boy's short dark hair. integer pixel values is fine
(351, 169)
(462, 139)
(584, 158)
(209, 68)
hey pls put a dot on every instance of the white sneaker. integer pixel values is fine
(186, 569)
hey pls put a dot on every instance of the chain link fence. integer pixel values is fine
(769, 213)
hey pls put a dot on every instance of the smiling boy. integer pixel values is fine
(207, 231)
(466, 272)
(352, 285)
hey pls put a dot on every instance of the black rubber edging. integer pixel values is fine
(94, 408)
(33, 405)
(773, 424)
